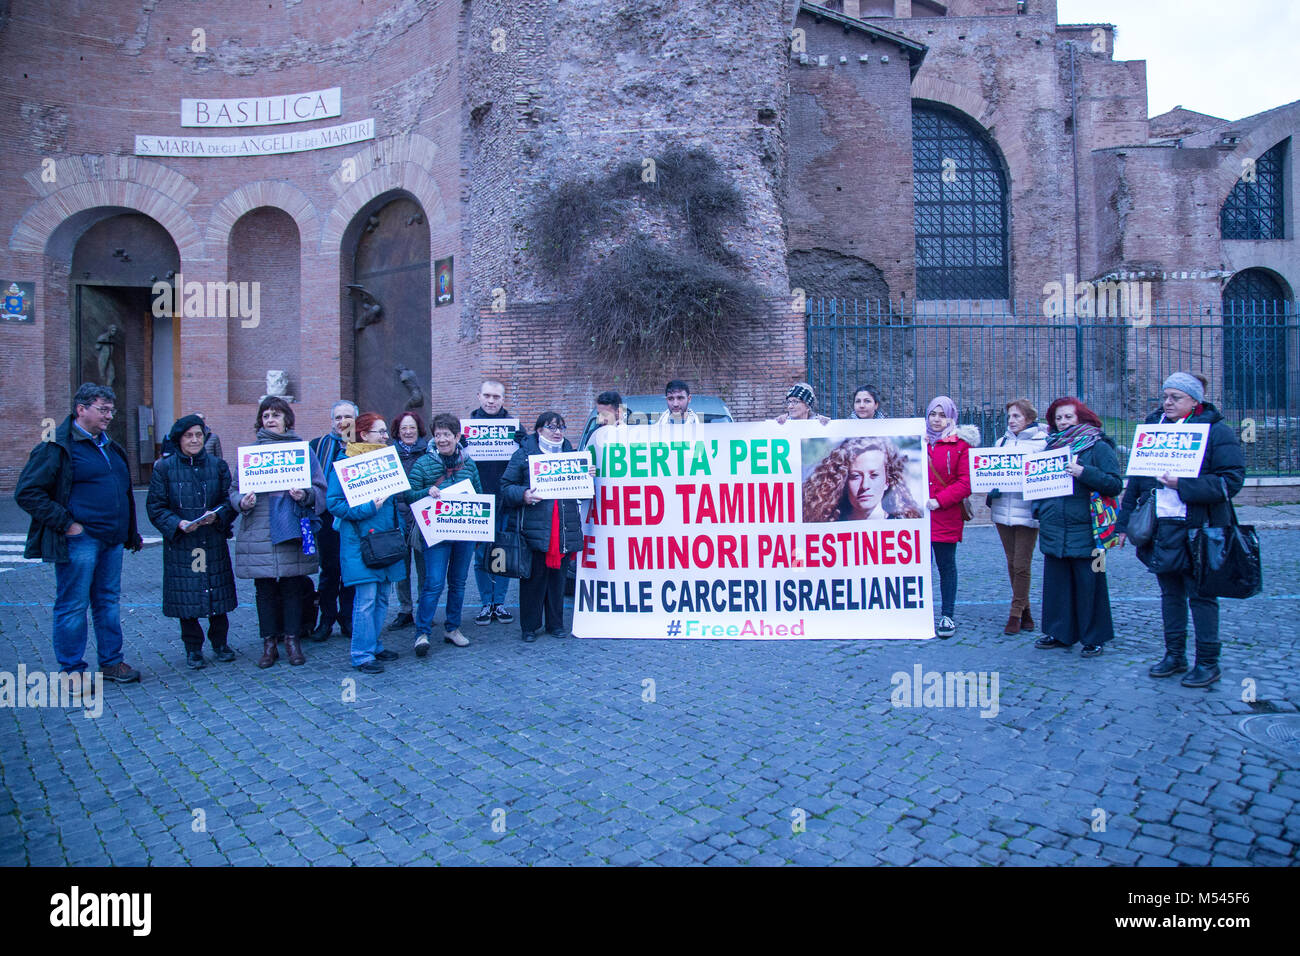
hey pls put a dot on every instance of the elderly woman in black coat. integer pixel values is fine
(188, 503)
(1183, 504)
(552, 529)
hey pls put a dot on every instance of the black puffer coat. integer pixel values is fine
(1207, 496)
(182, 489)
(1065, 523)
(537, 518)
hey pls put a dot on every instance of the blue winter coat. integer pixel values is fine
(351, 524)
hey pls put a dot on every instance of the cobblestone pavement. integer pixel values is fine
(552, 753)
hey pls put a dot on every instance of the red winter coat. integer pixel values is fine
(949, 460)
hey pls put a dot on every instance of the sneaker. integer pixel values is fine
(421, 645)
(485, 615)
(1090, 650)
(195, 660)
(454, 636)
(122, 673)
(370, 667)
(223, 653)
(947, 627)
(500, 613)
(402, 620)
(386, 655)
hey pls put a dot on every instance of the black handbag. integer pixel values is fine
(509, 555)
(382, 549)
(1225, 561)
(1141, 528)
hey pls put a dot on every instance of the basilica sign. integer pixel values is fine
(262, 110)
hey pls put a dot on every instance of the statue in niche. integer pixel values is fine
(104, 355)
(371, 309)
(277, 384)
(415, 396)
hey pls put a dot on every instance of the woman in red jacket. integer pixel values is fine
(949, 470)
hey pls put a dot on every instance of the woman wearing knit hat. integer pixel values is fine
(801, 405)
(1183, 503)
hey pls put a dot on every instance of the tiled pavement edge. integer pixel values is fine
(557, 745)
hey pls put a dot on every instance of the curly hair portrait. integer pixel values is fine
(825, 492)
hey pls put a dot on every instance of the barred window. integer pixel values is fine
(960, 218)
(1253, 210)
(1256, 309)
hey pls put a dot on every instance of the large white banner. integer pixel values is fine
(762, 531)
(1176, 449)
(279, 466)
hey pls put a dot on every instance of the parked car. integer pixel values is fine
(646, 410)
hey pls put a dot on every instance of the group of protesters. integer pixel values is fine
(76, 487)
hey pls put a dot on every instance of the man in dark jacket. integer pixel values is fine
(491, 587)
(335, 598)
(1181, 505)
(77, 488)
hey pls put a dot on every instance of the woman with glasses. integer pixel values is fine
(270, 547)
(447, 562)
(370, 605)
(551, 528)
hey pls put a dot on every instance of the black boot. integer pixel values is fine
(1206, 671)
(1175, 659)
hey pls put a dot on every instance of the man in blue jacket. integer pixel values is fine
(77, 488)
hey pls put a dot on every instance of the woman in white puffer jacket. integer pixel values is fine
(1013, 516)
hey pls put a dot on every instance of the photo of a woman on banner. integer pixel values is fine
(860, 479)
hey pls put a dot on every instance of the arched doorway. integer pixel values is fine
(1256, 305)
(387, 287)
(115, 338)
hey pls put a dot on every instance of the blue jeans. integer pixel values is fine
(90, 578)
(447, 562)
(491, 587)
(369, 608)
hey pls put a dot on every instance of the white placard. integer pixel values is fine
(490, 439)
(996, 469)
(262, 110)
(462, 487)
(1045, 475)
(372, 475)
(254, 144)
(456, 518)
(566, 475)
(1176, 449)
(277, 466)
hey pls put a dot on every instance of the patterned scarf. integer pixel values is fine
(1079, 438)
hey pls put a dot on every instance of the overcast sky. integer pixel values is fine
(1229, 59)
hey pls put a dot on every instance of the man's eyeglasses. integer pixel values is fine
(103, 409)
(554, 427)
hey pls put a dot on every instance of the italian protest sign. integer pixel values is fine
(456, 518)
(996, 469)
(1045, 475)
(280, 466)
(566, 475)
(490, 439)
(371, 475)
(1176, 449)
(759, 531)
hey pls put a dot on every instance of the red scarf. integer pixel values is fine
(553, 556)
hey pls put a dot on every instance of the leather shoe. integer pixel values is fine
(1202, 675)
(223, 653)
(293, 649)
(1090, 650)
(1047, 642)
(322, 633)
(530, 636)
(1026, 621)
(386, 655)
(370, 667)
(1013, 625)
(195, 660)
(1169, 666)
(402, 620)
(270, 653)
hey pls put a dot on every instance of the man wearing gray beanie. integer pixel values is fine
(1183, 504)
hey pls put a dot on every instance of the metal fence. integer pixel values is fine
(984, 354)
